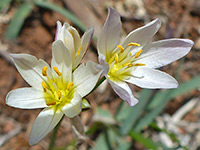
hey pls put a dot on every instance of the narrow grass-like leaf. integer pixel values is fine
(160, 100)
(183, 88)
(17, 21)
(4, 4)
(134, 112)
(150, 116)
(62, 11)
(147, 142)
(105, 141)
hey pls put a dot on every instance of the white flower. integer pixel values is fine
(57, 89)
(77, 46)
(135, 60)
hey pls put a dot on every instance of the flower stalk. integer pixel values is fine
(78, 133)
(53, 136)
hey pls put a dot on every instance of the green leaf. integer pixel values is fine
(105, 141)
(17, 21)
(159, 101)
(134, 112)
(150, 116)
(182, 89)
(124, 146)
(109, 139)
(147, 142)
(62, 11)
(4, 4)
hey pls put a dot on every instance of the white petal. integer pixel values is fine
(60, 30)
(68, 41)
(26, 98)
(59, 26)
(104, 65)
(76, 38)
(152, 79)
(123, 90)
(30, 68)
(110, 34)
(44, 123)
(161, 53)
(143, 34)
(85, 77)
(62, 59)
(73, 108)
(85, 42)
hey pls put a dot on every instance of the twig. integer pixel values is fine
(6, 137)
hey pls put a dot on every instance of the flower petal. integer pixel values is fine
(76, 38)
(110, 34)
(152, 79)
(60, 30)
(143, 34)
(85, 77)
(123, 90)
(26, 98)
(30, 68)
(161, 53)
(61, 59)
(68, 41)
(104, 65)
(73, 108)
(44, 123)
(85, 42)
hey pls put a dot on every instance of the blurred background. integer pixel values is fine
(163, 119)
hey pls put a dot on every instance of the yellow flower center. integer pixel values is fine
(122, 61)
(56, 91)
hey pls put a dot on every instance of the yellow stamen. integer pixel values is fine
(121, 48)
(139, 64)
(138, 53)
(69, 85)
(116, 58)
(51, 103)
(59, 94)
(44, 86)
(79, 51)
(133, 44)
(44, 71)
(128, 64)
(57, 71)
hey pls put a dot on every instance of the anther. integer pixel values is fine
(69, 85)
(44, 86)
(57, 71)
(138, 53)
(139, 64)
(44, 71)
(116, 58)
(59, 94)
(133, 44)
(128, 64)
(79, 51)
(51, 103)
(121, 48)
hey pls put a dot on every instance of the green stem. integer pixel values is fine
(53, 136)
